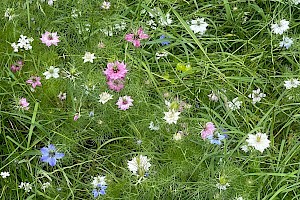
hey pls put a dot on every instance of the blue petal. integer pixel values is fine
(221, 137)
(52, 161)
(210, 137)
(45, 158)
(102, 192)
(59, 155)
(95, 193)
(51, 147)
(45, 151)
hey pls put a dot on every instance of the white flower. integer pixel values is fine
(199, 26)
(286, 42)
(152, 24)
(281, 27)
(107, 32)
(153, 127)
(213, 97)
(245, 148)
(164, 21)
(51, 73)
(256, 96)
(292, 83)
(120, 27)
(26, 186)
(50, 2)
(88, 57)
(235, 104)
(161, 54)
(98, 180)
(239, 198)
(259, 141)
(105, 5)
(154, 11)
(9, 13)
(105, 97)
(222, 186)
(296, 2)
(62, 96)
(45, 185)
(139, 165)
(171, 117)
(178, 136)
(4, 174)
(15, 47)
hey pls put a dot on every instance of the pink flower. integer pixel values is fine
(124, 102)
(24, 104)
(34, 81)
(17, 66)
(208, 130)
(76, 116)
(115, 70)
(50, 38)
(116, 85)
(135, 38)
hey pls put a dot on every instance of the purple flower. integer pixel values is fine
(99, 191)
(216, 139)
(164, 41)
(50, 155)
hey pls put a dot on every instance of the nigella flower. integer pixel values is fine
(259, 141)
(256, 96)
(164, 41)
(216, 139)
(281, 27)
(105, 5)
(24, 104)
(50, 155)
(286, 42)
(171, 116)
(208, 130)
(198, 26)
(34, 81)
(116, 70)
(292, 83)
(124, 102)
(4, 174)
(99, 191)
(139, 165)
(88, 57)
(50, 38)
(52, 72)
(136, 38)
(17, 66)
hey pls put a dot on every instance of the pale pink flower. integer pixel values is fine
(24, 104)
(34, 81)
(76, 116)
(116, 85)
(50, 38)
(136, 38)
(115, 70)
(209, 129)
(124, 102)
(17, 66)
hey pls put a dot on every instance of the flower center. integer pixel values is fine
(258, 138)
(52, 154)
(115, 69)
(50, 37)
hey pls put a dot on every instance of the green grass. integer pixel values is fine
(237, 54)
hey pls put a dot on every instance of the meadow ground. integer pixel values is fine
(152, 99)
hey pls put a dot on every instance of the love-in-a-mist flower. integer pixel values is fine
(209, 129)
(105, 5)
(24, 104)
(99, 185)
(45, 185)
(115, 70)
(5, 174)
(136, 38)
(245, 148)
(105, 97)
(62, 96)
(34, 81)
(17, 66)
(213, 96)
(116, 85)
(281, 27)
(171, 116)
(50, 155)
(164, 41)
(50, 39)
(26, 186)
(198, 26)
(256, 96)
(223, 183)
(153, 127)
(51, 73)
(124, 102)
(88, 57)
(139, 165)
(165, 20)
(235, 104)
(286, 42)
(216, 138)
(296, 2)
(259, 141)
(76, 116)
(178, 136)
(292, 83)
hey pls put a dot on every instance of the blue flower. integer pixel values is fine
(216, 139)
(99, 191)
(164, 41)
(50, 155)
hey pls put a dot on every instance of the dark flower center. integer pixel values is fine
(50, 37)
(51, 154)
